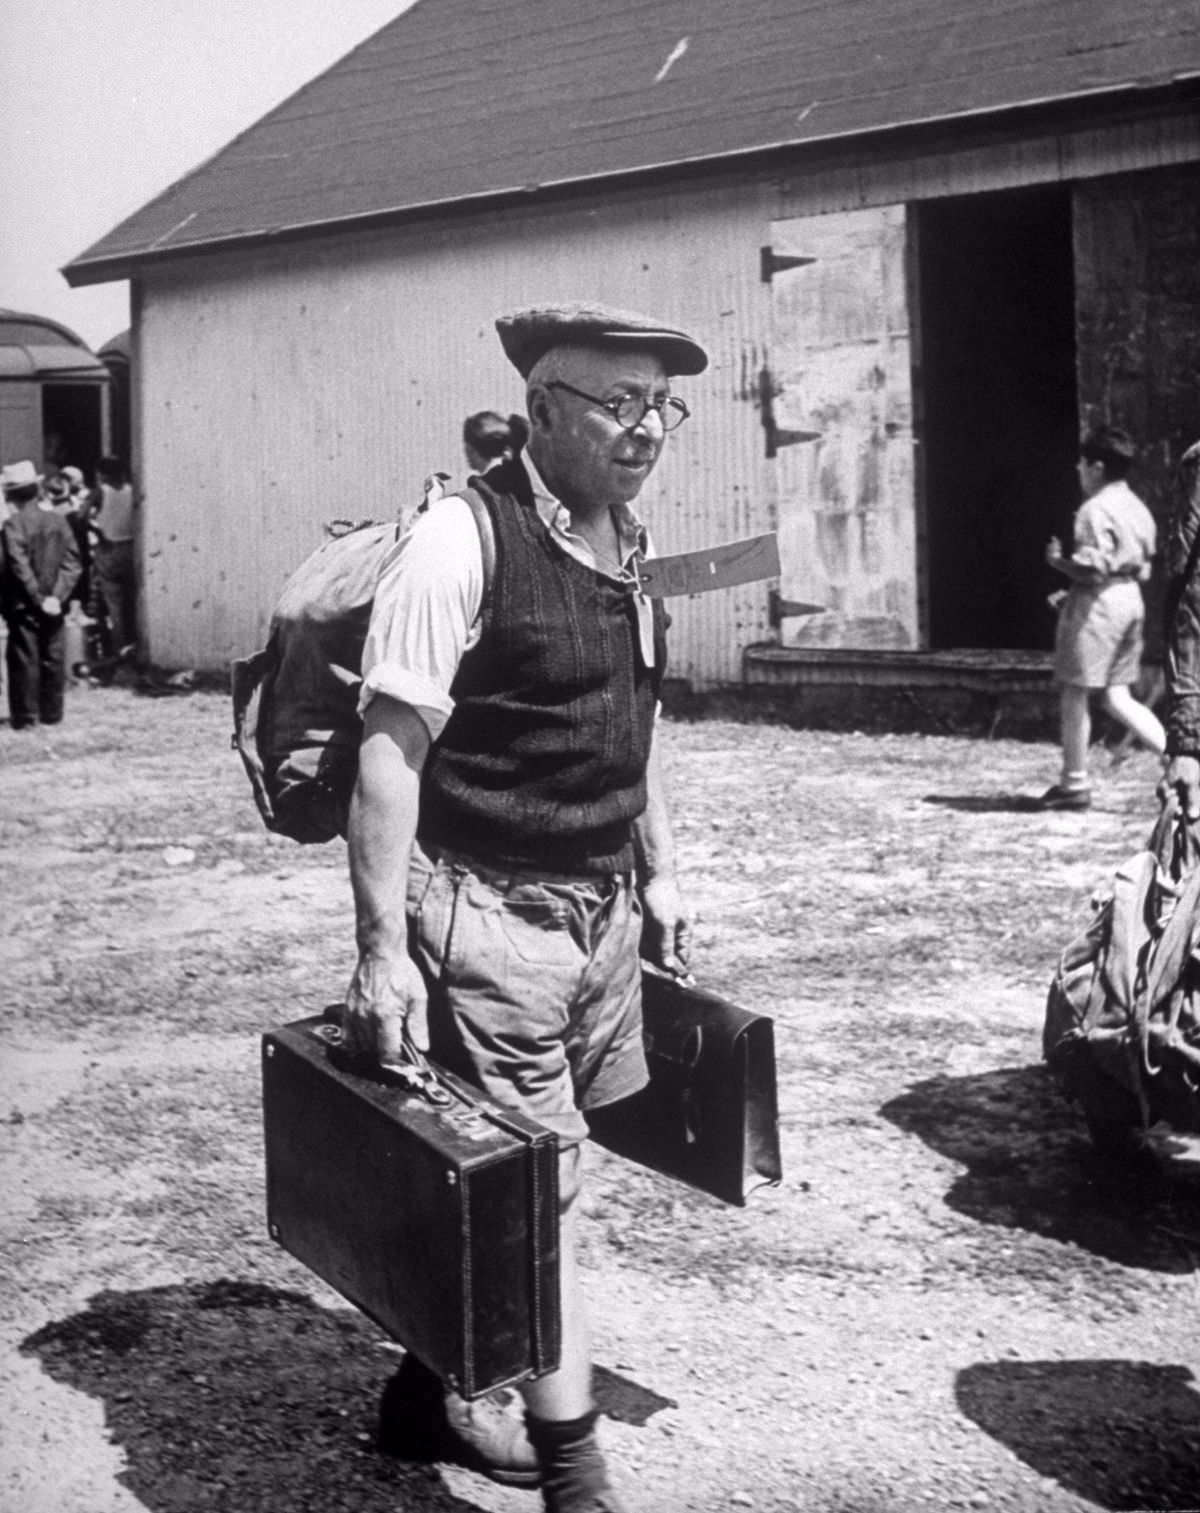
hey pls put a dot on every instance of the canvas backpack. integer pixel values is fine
(1122, 1025)
(296, 725)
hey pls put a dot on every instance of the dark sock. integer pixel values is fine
(550, 1434)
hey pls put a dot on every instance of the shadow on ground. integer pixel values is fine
(1029, 1165)
(986, 803)
(231, 1396)
(624, 1401)
(1123, 1435)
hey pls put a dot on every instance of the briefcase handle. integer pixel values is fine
(415, 1073)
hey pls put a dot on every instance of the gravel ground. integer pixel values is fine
(951, 1302)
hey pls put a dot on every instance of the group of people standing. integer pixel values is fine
(63, 542)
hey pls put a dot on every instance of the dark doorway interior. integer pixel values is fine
(119, 408)
(1000, 418)
(71, 425)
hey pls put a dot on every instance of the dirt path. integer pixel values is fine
(949, 1304)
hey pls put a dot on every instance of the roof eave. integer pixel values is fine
(84, 271)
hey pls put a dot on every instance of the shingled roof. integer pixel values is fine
(467, 100)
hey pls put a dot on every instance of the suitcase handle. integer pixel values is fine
(415, 1073)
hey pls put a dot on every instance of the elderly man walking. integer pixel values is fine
(510, 849)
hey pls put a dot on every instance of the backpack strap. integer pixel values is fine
(487, 539)
(1179, 939)
(1175, 840)
(1129, 929)
(438, 486)
(246, 677)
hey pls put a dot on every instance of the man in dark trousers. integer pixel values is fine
(41, 567)
(509, 791)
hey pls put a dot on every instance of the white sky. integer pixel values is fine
(104, 103)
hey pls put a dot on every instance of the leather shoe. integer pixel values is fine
(420, 1420)
(1058, 797)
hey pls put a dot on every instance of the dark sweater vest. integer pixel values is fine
(542, 765)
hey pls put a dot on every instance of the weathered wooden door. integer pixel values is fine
(839, 422)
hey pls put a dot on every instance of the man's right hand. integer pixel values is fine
(1183, 776)
(384, 994)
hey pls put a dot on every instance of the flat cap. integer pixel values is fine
(526, 335)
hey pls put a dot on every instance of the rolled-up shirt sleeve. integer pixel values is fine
(1096, 540)
(1115, 534)
(426, 612)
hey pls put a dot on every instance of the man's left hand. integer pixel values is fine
(1183, 778)
(666, 930)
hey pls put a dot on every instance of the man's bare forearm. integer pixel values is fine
(1078, 572)
(666, 937)
(386, 990)
(383, 822)
(654, 841)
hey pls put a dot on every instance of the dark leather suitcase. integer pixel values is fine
(710, 1115)
(440, 1223)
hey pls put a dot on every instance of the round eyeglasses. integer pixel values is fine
(629, 410)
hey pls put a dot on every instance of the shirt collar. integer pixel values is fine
(557, 516)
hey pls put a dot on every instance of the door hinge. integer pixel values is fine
(780, 609)
(776, 436)
(772, 262)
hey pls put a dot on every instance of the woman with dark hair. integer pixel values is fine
(488, 438)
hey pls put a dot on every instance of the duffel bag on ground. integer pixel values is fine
(1122, 1026)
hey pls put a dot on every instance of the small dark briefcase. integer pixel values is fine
(441, 1223)
(710, 1113)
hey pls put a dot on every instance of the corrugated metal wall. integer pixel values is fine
(282, 391)
(280, 394)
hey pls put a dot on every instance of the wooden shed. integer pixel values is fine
(53, 395)
(923, 241)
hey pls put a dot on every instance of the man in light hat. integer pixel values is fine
(41, 566)
(78, 488)
(509, 791)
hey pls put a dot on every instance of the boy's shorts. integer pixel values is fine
(534, 986)
(1098, 643)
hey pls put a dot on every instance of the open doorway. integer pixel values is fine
(999, 430)
(72, 425)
